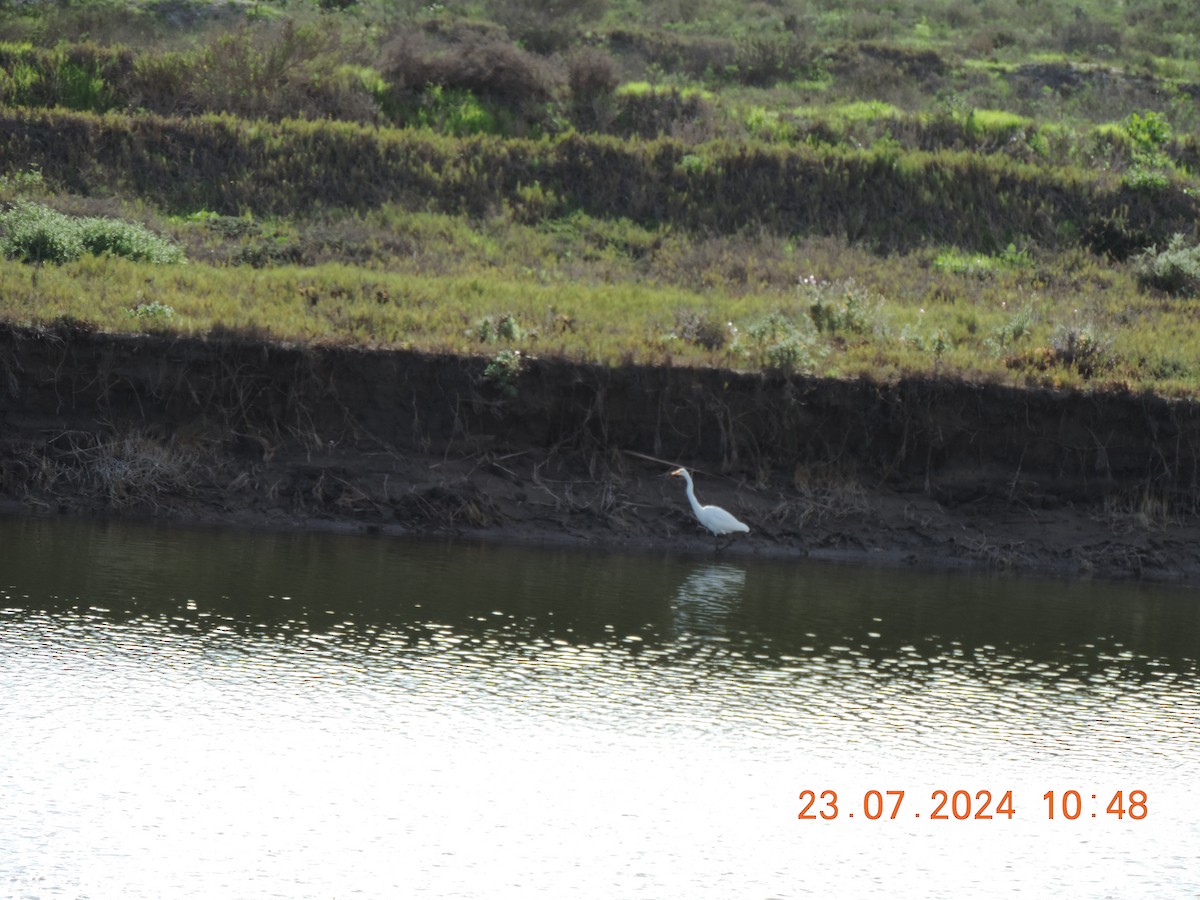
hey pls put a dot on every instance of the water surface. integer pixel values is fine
(202, 713)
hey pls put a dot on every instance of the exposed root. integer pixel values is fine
(122, 471)
(439, 506)
(1143, 510)
(1119, 557)
(981, 548)
(822, 496)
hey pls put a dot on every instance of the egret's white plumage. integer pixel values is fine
(718, 521)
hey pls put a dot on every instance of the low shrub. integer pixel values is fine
(504, 371)
(34, 233)
(1082, 348)
(648, 112)
(37, 234)
(271, 71)
(457, 112)
(1174, 270)
(275, 70)
(151, 315)
(592, 73)
(1018, 328)
(136, 242)
(546, 26)
(1145, 180)
(1148, 136)
(691, 55)
(1149, 133)
(937, 342)
(26, 182)
(491, 329)
(981, 265)
(764, 60)
(482, 64)
(781, 343)
(845, 306)
(84, 76)
(593, 78)
(701, 330)
(882, 197)
(19, 81)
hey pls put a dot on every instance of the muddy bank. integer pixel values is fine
(925, 473)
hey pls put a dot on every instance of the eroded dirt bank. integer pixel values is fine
(231, 430)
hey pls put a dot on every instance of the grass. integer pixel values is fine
(846, 191)
(891, 317)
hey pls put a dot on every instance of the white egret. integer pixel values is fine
(718, 521)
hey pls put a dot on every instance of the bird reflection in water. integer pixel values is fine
(706, 597)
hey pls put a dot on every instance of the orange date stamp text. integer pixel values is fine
(963, 805)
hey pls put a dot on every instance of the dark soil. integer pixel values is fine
(231, 430)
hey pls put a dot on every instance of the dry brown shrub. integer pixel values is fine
(665, 112)
(480, 62)
(1084, 35)
(762, 61)
(697, 56)
(546, 26)
(269, 71)
(592, 76)
(592, 73)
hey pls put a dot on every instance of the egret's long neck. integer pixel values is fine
(691, 492)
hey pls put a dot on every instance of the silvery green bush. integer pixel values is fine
(35, 233)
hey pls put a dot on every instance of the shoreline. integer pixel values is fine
(1074, 545)
(934, 476)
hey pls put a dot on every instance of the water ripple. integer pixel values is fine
(260, 734)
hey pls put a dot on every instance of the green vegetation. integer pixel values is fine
(1008, 192)
(1175, 270)
(504, 370)
(34, 233)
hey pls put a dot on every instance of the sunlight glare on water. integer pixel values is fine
(199, 714)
